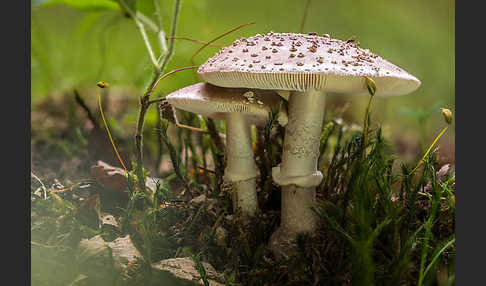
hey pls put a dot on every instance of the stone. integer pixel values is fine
(102, 261)
(182, 271)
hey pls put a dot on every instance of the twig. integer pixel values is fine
(205, 169)
(169, 73)
(157, 12)
(42, 184)
(191, 128)
(146, 97)
(146, 20)
(138, 22)
(148, 45)
(175, 18)
(83, 105)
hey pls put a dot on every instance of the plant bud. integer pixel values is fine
(447, 115)
(102, 84)
(371, 85)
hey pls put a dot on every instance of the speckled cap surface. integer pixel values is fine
(288, 61)
(214, 102)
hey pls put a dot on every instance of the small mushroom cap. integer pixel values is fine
(214, 102)
(299, 62)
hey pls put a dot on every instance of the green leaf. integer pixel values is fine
(132, 4)
(86, 5)
(146, 7)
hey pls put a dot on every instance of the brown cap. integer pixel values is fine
(213, 101)
(288, 61)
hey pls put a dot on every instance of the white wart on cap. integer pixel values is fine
(288, 61)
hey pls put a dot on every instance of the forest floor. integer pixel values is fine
(377, 224)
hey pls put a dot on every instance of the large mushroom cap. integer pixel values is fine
(288, 61)
(214, 102)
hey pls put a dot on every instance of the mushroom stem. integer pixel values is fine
(298, 174)
(302, 134)
(240, 168)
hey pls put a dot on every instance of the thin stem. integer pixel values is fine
(160, 33)
(169, 73)
(148, 45)
(371, 86)
(139, 132)
(195, 41)
(175, 18)
(449, 243)
(83, 105)
(428, 150)
(146, 20)
(191, 128)
(163, 44)
(306, 9)
(158, 13)
(144, 105)
(109, 133)
(141, 28)
(366, 124)
(217, 38)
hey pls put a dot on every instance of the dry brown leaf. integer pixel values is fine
(113, 178)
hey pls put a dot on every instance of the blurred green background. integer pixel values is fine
(73, 48)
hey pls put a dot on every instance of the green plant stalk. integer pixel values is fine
(326, 132)
(175, 21)
(366, 124)
(142, 31)
(200, 269)
(217, 149)
(428, 228)
(145, 99)
(447, 245)
(160, 148)
(430, 148)
(179, 171)
(144, 105)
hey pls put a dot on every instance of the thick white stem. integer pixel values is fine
(296, 216)
(298, 172)
(302, 134)
(240, 167)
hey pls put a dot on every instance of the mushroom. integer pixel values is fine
(306, 67)
(240, 108)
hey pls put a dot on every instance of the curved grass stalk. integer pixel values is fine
(109, 133)
(428, 150)
(447, 245)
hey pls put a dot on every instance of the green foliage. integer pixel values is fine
(405, 39)
(200, 268)
(85, 5)
(378, 227)
(380, 224)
